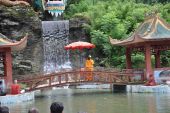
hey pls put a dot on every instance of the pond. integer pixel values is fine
(97, 101)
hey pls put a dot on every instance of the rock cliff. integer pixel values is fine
(14, 23)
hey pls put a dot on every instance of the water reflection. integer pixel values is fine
(98, 101)
(20, 107)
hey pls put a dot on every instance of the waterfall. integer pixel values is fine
(55, 37)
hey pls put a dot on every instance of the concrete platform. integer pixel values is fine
(148, 89)
(13, 99)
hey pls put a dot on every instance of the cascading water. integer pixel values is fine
(55, 37)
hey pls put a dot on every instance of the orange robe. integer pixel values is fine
(89, 64)
(89, 67)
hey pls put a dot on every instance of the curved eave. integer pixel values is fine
(138, 41)
(116, 42)
(17, 46)
(164, 22)
(129, 41)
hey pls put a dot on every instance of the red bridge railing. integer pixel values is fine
(83, 77)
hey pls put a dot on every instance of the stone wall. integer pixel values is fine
(76, 28)
(15, 22)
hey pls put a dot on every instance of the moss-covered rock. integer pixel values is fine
(15, 22)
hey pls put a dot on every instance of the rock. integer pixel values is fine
(78, 21)
(15, 22)
(23, 67)
(76, 28)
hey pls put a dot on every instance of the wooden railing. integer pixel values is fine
(83, 77)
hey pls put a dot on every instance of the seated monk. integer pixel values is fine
(151, 81)
(15, 88)
(13, 3)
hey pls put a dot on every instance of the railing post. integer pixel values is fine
(66, 77)
(114, 80)
(76, 76)
(59, 79)
(142, 77)
(31, 86)
(50, 81)
(82, 77)
(110, 78)
(129, 78)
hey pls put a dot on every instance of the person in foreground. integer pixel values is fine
(4, 109)
(56, 107)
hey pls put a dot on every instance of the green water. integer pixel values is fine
(97, 101)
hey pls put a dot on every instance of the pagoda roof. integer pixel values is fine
(14, 45)
(152, 29)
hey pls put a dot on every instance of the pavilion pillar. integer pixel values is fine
(148, 61)
(128, 59)
(8, 66)
(149, 71)
(157, 59)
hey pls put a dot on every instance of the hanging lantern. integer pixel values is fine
(55, 8)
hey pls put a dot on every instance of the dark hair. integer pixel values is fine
(4, 109)
(33, 110)
(56, 107)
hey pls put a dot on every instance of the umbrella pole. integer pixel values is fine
(80, 59)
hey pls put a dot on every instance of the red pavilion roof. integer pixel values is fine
(152, 29)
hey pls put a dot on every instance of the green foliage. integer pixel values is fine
(100, 40)
(165, 58)
(117, 19)
(138, 60)
(152, 1)
(109, 23)
(119, 62)
(23, 86)
(165, 11)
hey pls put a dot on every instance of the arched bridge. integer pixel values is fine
(75, 77)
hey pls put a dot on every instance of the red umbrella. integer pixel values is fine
(79, 45)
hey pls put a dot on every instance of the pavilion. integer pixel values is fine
(151, 37)
(6, 47)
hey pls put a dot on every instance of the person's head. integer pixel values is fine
(15, 81)
(4, 109)
(89, 57)
(33, 110)
(56, 107)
